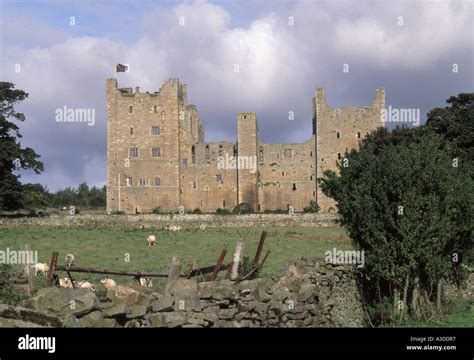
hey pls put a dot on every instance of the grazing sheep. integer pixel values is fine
(202, 227)
(84, 284)
(108, 283)
(69, 259)
(151, 240)
(65, 283)
(174, 228)
(145, 281)
(42, 268)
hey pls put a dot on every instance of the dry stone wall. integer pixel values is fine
(185, 221)
(308, 294)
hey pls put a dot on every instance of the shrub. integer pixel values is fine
(118, 212)
(275, 211)
(156, 210)
(313, 207)
(223, 211)
(9, 294)
(243, 208)
(246, 265)
(196, 211)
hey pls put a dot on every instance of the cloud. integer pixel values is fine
(279, 66)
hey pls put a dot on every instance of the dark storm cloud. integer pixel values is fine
(282, 54)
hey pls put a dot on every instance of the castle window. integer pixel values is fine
(311, 154)
(155, 109)
(194, 185)
(128, 181)
(338, 134)
(245, 117)
(208, 153)
(155, 152)
(134, 152)
(339, 156)
(311, 178)
(157, 182)
(294, 188)
(143, 182)
(288, 153)
(131, 130)
(358, 134)
(282, 173)
(130, 109)
(223, 204)
(185, 162)
(219, 179)
(221, 150)
(155, 130)
(260, 154)
(193, 154)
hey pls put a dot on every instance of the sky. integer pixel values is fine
(62, 52)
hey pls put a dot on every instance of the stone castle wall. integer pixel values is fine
(157, 157)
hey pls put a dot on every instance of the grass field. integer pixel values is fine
(110, 248)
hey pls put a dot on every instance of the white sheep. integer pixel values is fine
(108, 283)
(42, 268)
(151, 240)
(65, 283)
(202, 227)
(174, 228)
(69, 259)
(145, 281)
(84, 284)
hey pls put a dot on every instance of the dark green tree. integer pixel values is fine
(455, 123)
(12, 155)
(411, 209)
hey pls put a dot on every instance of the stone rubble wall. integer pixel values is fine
(308, 294)
(186, 221)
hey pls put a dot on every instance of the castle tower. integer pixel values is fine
(247, 142)
(337, 131)
(143, 148)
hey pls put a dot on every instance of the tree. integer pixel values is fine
(35, 196)
(410, 210)
(455, 124)
(12, 155)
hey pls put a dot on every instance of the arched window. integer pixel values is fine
(193, 154)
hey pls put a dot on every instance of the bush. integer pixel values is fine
(245, 266)
(156, 210)
(313, 207)
(243, 208)
(220, 211)
(196, 211)
(9, 294)
(275, 211)
(117, 212)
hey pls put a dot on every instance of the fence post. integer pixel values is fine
(239, 250)
(175, 270)
(260, 246)
(52, 268)
(28, 271)
(220, 259)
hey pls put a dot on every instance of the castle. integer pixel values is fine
(157, 157)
